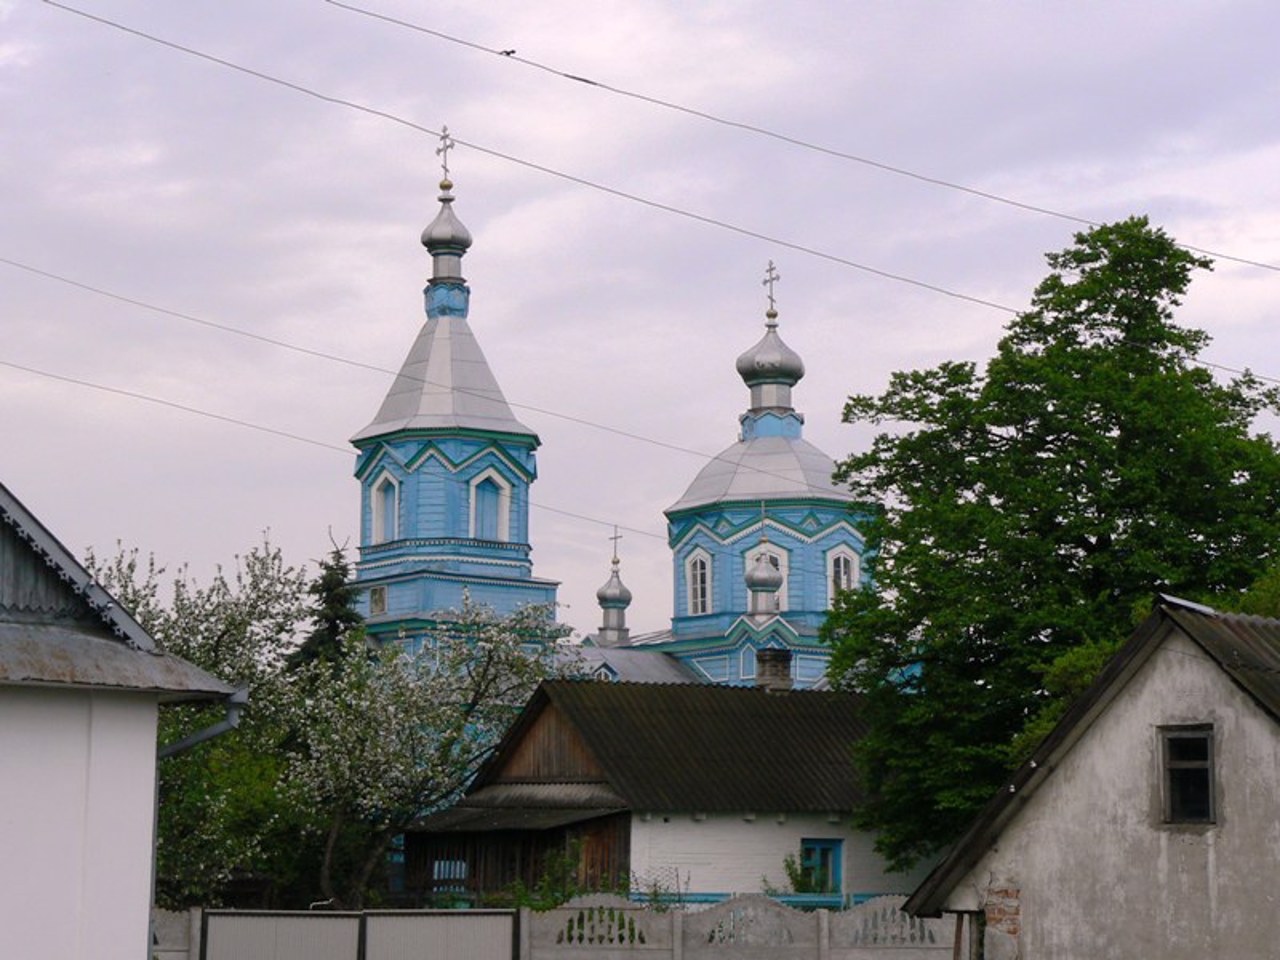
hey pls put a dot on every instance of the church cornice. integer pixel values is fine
(739, 531)
(432, 451)
(529, 440)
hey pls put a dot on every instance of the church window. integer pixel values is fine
(386, 509)
(843, 571)
(1187, 762)
(698, 572)
(377, 600)
(491, 507)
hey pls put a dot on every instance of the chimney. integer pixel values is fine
(773, 670)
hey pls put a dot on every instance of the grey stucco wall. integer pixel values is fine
(1088, 868)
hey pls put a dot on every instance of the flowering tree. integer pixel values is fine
(395, 734)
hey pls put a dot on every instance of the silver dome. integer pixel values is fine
(763, 468)
(763, 575)
(770, 360)
(614, 593)
(446, 230)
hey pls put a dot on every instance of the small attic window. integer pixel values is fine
(1187, 765)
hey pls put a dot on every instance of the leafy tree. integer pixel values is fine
(394, 734)
(1027, 511)
(220, 816)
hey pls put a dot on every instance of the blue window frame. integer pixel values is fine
(820, 862)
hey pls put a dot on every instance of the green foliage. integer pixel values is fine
(341, 747)
(1028, 510)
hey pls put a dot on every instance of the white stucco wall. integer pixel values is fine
(77, 788)
(1095, 870)
(728, 853)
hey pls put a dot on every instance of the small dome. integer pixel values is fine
(446, 231)
(763, 576)
(771, 360)
(614, 593)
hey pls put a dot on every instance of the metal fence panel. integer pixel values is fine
(279, 936)
(440, 935)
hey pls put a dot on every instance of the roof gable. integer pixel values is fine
(1246, 648)
(59, 627)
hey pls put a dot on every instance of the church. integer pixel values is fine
(761, 539)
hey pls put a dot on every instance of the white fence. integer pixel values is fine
(590, 928)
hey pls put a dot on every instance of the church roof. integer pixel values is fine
(58, 627)
(763, 468)
(445, 383)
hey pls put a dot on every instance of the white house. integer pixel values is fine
(699, 791)
(1148, 822)
(80, 684)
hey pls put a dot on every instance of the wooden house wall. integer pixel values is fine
(496, 860)
(550, 751)
(31, 590)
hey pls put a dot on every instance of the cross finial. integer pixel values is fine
(771, 276)
(615, 538)
(442, 151)
(764, 529)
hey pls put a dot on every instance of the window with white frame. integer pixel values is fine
(386, 509)
(778, 560)
(843, 572)
(698, 576)
(491, 507)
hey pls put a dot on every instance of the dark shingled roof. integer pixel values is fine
(709, 748)
(1247, 648)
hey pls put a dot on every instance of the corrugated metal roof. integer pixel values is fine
(638, 666)
(710, 748)
(1247, 648)
(59, 627)
(763, 468)
(548, 795)
(445, 383)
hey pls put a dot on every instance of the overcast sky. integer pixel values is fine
(147, 172)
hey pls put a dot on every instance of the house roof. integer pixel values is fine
(1246, 648)
(702, 747)
(58, 627)
(631, 665)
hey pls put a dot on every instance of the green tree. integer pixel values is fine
(220, 816)
(334, 613)
(394, 735)
(1026, 512)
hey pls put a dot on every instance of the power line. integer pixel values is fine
(250, 425)
(550, 171)
(514, 57)
(337, 358)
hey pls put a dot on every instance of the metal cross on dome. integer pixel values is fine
(771, 276)
(442, 151)
(615, 538)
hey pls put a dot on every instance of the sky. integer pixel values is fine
(612, 324)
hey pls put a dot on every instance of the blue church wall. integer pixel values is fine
(802, 534)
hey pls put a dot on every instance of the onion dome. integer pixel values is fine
(771, 360)
(446, 231)
(763, 576)
(614, 593)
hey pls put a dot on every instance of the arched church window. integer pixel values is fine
(386, 496)
(842, 572)
(698, 574)
(490, 506)
(487, 498)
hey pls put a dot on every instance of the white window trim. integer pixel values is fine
(379, 532)
(699, 554)
(784, 567)
(504, 503)
(855, 570)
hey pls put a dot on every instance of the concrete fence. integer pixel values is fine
(589, 928)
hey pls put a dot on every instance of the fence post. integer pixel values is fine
(677, 935)
(524, 923)
(824, 934)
